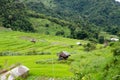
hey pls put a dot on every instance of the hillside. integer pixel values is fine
(17, 16)
(41, 57)
(75, 19)
(60, 39)
(44, 43)
(103, 13)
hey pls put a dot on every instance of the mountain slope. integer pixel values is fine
(41, 57)
(102, 12)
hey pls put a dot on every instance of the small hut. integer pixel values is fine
(18, 71)
(63, 55)
(33, 40)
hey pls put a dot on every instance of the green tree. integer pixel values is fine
(101, 39)
(116, 51)
(14, 15)
(90, 46)
(81, 34)
(58, 33)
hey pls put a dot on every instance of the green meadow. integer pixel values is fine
(20, 42)
(42, 60)
(42, 69)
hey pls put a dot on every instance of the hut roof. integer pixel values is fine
(78, 43)
(13, 73)
(66, 53)
(114, 39)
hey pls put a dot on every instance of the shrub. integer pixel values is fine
(81, 34)
(116, 51)
(93, 40)
(89, 46)
(60, 33)
(47, 25)
(112, 43)
(47, 33)
(101, 39)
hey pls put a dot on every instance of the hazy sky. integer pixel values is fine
(117, 0)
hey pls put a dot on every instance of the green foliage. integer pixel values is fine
(101, 39)
(46, 26)
(20, 18)
(14, 15)
(116, 51)
(60, 33)
(101, 13)
(111, 44)
(94, 65)
(90, 46)
(114, 30)
(81, 34)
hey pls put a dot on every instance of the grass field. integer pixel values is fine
(43, 69)
(93, 65)
(20, 42)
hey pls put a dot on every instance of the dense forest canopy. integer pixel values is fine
(14, 16)
(100, 12)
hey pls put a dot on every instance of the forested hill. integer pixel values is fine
(16, 15)
(13, 15)
(69, 18)
(100, 12)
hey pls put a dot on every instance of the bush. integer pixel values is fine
(47, 25)
(101, 39)
(58, 33)
(111, 44)
(89, 46)
(116, 51)
(81, 34)
(93, 40)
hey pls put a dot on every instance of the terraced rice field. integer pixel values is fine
(20, 43)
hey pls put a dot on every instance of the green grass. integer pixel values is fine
(52, 28)
(20, 42)
(49, 70)
(94, 65)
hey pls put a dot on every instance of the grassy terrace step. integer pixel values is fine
(13, 41)
(21, 42)
(44, 69)
(91, 64)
